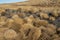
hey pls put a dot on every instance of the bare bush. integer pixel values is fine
(34, 34)
(10, 34)
(44, 16)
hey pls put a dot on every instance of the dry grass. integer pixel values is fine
(30, 22)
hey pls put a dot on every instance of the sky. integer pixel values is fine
(10, 1)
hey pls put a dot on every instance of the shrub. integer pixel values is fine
(26, 27)
(2, 20)
(34, 34)
(10, 34)
(29, 19)
(51, 28)
(57, 22)
(43, 22)
(55, 14)
(44, 16)
(17, 19)
(52, 18)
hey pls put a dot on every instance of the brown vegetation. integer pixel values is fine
(30, 22)
(29, 25)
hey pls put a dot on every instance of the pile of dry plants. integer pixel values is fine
(29, 25)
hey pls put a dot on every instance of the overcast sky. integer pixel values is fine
(10, 1)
